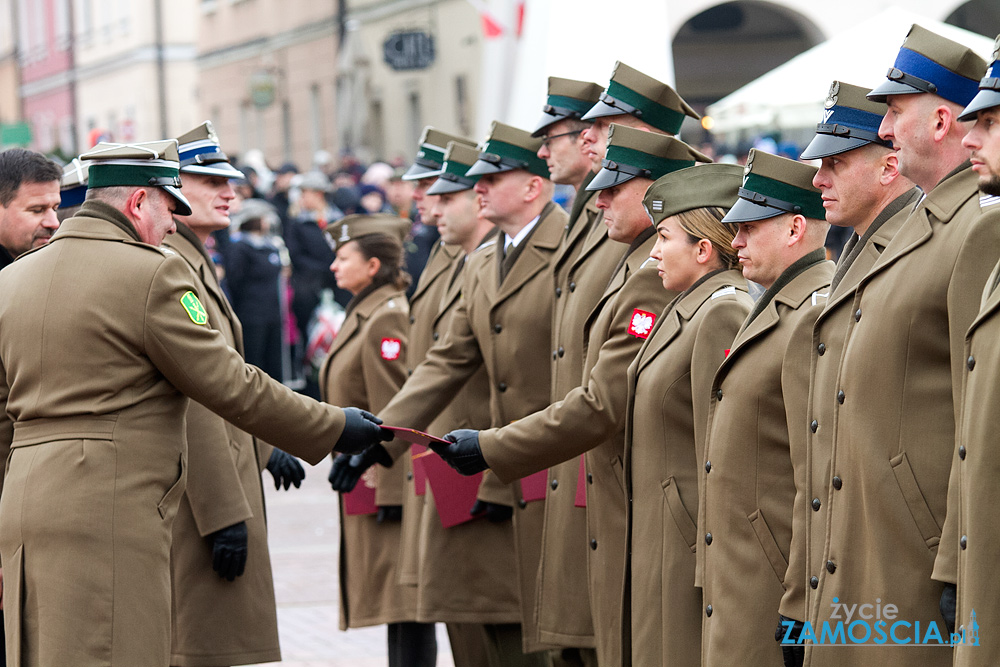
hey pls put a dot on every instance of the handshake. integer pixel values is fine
(461, 451)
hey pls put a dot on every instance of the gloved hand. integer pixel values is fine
(285, 469)
(792, 654)
(361, 431)
(348, 468)
(463, 454)
(948, 599)
(229, 551)
(387, 513)
(493, 512)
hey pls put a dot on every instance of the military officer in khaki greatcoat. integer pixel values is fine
(591, 418)
(497, 325)
(862, 189)
(973, 486)
(467, 576)
(223, 609)
(424, 171)
(365, 367)
(582, 268)
(900, 377)
(757, 398)
(97, 430)
(666, 421)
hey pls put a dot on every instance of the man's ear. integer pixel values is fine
(797, 227)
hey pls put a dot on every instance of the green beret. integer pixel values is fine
(774, 185)
(700, 186)
(458, 159)
(508, 148)
(636, 153)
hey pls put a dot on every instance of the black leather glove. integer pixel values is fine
(792, 654)
(948, 599)
(388, 513)
(348, 468)
(285, 469)
(493, 512)
(463, 454)
(229, 551)
(361, 431)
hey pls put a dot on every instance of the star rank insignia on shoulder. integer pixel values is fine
(641, 323)
(390, 348)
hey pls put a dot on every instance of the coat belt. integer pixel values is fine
(37, 431)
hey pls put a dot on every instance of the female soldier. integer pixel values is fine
(667, 415)
(364, 369)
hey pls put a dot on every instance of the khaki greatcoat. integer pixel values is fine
(747, 488)
(894, 437)
(424, 302)
(357, 373)
(467, 573)
(975, 474)
(665, 432)
(214, 621)
(583, 267)
(591, 419)
(97, 354)
(829, 336)
(499, 327)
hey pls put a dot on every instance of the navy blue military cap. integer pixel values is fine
(989, 88)
(850, 121)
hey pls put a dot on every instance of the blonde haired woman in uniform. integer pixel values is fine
(667, 416)
(365, 368)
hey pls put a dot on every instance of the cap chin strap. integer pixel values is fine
(851, 133)
(635, 172)
(899, 76)
(773, 202)
(500, 161)
(624, 107)
(160, 181)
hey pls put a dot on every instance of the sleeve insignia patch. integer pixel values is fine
(391, 348)
(641, 323)
(193, 307)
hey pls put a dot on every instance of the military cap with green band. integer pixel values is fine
(774, 185)
(989, 88)
(651, 101)
(568, 99)
(73, 185)
(850, 120)
(201, 152)
(506, 149)
(700, 186)
(636, 153)
(357, 225)
(430, 154)
(930, 63)
(149, 164)
(457, 161)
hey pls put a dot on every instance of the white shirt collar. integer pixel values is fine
(508, 241)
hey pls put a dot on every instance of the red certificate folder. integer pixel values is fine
(417, 454)
(414, 436)
(581, 485)
(454, 494)
(533, 486)
(362, 499)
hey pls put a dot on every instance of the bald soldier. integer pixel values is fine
(758, 397)
(582, 268)
(591, 418)
(899, 383)
(970, 537)
(863, 190)
(223, 609)
(98, 460)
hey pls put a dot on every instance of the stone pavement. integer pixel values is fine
(304, 539)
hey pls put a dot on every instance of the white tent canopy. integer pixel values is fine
(791, 96)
